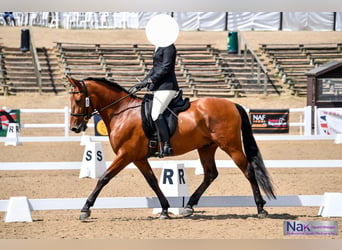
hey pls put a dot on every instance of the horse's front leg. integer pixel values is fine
(85, 212)
(151, 179)
(112, 170)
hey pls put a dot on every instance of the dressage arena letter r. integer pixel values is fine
(168, 174)
(181, 176)
(11, 129)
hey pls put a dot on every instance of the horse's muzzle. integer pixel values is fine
(79, 127)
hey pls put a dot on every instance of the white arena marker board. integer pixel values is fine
(338, 139)
(173, 183)
(85, 139)
(18, 210)
(93, 163)
(332, 205)
(13, 133)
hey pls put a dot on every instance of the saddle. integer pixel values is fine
(177, 105)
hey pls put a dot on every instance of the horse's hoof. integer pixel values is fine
(187, 211)
(164, 216)
(84, 215)
(262, 214)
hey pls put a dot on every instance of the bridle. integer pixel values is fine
(87, 103)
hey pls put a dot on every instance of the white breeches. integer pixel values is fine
(161, 99)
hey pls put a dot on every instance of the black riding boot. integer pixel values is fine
(163, 134)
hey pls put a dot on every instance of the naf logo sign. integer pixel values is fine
(269, 120)
(310, 228)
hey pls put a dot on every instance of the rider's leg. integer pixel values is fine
(161, 100)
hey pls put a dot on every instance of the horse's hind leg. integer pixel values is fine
(247, 169)
(207, 157)
(259, 201)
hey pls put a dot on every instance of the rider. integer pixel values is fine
(162, 81)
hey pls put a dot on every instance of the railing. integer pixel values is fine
(36, 63)
(2, 75)
(261, 69)
(304, 123)
(64, 125)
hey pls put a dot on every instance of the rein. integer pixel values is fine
(88, 103)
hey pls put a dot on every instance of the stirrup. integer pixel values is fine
(167, 150)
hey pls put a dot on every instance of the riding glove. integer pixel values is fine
(150, 87)
(142, 84)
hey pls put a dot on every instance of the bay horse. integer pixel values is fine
(209, 123)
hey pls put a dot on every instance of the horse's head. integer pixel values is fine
(81, 108)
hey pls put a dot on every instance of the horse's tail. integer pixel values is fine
(253, 154)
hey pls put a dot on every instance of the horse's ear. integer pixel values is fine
(74, 82)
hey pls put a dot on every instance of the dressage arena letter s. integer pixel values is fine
(93, 163)
(89, 155)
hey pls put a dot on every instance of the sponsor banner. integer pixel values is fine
(6, 117)
(100, 127)
(269, 120)
(310, 227)
(329, 121)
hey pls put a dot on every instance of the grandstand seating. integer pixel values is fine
(19, 71)
(199, 64)
(79, 60)
(52, 75)
(201, 69)
(243, 76)
(292, 61)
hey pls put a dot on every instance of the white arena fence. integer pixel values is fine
(19, 208)
(75, 165)
(177, 202)
(328, 203)
(303, 123)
